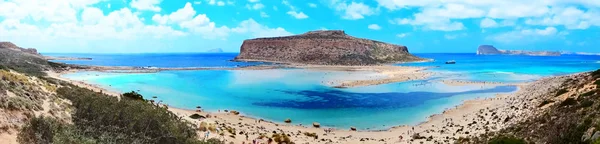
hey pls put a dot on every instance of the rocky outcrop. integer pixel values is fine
(9, 45)
(491, 50)
(332, 47)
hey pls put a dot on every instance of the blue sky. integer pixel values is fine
(139, 26)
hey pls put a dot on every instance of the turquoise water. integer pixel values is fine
(306, 96)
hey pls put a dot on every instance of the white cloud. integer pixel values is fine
(150, 5)
(569, 14)
(297, 15)
(253, 1)
(402, 35)
(312, 5)
(91, 15)
(256, 6)
(454, 36)
(264, 14)
(211, 2)
(51, 11)
(526, 34)
(220, 3)
(287, 3)
(257, 30)
(432, 23)
(81, 24)
(374, 27)
(352, 11)
(488, 23)
(570, 17)
(197, 2)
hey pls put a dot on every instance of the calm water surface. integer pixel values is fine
(305, 95)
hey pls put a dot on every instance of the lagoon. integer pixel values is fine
(304, 95)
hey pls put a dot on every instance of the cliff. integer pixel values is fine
(491, 50)
(323, 48)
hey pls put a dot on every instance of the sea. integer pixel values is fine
(306, 96)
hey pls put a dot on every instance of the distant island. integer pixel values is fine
(491, 50)
(327, 47)
(217, 50)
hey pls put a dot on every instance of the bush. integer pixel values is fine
(568, 101)
(108, 120)
(545, 102)
(506, 140)
(133, 95)
(18, 103)
(588, 93)
(39, 130)
(196, 116)
(314, 135)
(586, 103)
(561, 91)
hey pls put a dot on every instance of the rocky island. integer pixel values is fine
(330, 47)
(491, 50)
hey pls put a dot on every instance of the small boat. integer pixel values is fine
(451, 62)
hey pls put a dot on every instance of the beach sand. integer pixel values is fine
(471, 118)
(389, 74)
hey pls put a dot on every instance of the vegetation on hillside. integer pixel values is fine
(574, 120)
(36, 105)
(100, 118)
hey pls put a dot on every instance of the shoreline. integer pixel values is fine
(462, 111)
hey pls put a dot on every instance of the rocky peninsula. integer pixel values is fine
(330, 47)
(491, 50)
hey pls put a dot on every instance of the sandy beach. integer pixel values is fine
(469, 119)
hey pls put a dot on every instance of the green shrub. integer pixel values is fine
(561, 91)
(596, 74)
(196, 116)
(586, 103)
(588, 93)
(39, 130)
(18, 103)
(314, 135)
(108, 120)
(568, 101)
(545, 102)
(133, 95)
(506, 140)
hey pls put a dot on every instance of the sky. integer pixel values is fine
(424, 26)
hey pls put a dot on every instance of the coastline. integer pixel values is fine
(464, 112)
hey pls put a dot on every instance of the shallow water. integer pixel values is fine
(306, 96)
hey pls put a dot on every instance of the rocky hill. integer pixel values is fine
(491, 50)
(332, 47)
(9, 45)
(568, 114)
(26, 61)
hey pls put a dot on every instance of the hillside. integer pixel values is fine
(570, 114)
(323, 48)
(35, 108)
